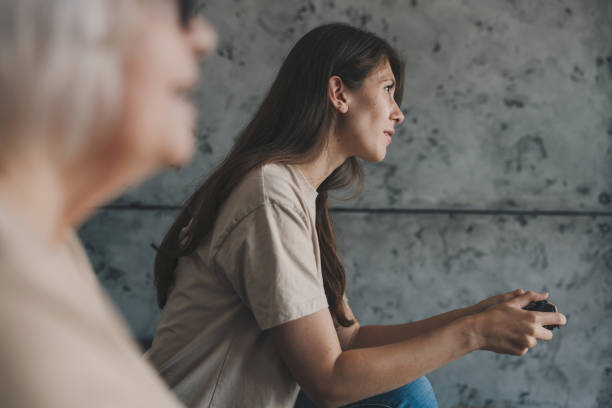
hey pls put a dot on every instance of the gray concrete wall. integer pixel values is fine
(498, 179)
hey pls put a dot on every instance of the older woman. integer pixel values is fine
(92, 99)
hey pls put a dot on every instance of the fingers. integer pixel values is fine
(542, 333)
(528, 342)
(512, 294)
(539, 332)
(505, 297)
(515, 293)
(521, 346)
(528, 297)
(548, 318)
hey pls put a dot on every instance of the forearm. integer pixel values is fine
(362, 372)
(379, 335)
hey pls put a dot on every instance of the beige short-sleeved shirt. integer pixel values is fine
(62, 344)
(260, 268)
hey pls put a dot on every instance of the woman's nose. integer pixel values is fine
(397, 115)
(201, 36)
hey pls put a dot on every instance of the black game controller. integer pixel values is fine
(543, 306)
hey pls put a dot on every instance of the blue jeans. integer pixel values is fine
(417, 394)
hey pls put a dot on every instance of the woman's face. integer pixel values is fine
(367, 128)
(156, 125)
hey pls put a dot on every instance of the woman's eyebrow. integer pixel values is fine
(388, 79)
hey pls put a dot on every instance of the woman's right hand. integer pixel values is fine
(509, 329)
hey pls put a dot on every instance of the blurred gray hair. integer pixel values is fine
(60, 71)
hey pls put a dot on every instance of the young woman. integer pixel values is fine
(91, 95)
(251, 285)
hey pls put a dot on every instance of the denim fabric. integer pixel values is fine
(417, 394)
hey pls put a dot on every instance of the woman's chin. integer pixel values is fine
(374, 157)
(181, 154)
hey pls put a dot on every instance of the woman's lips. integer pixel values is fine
(389, 134)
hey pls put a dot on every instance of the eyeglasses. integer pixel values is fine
(185, 9)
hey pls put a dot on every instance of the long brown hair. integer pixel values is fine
(289, 127)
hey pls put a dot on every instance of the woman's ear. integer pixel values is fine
(337, 93)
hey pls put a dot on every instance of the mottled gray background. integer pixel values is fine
(499, 178)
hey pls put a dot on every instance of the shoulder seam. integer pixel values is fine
(233, 225)
(287, 204)
(266, 201)
(291, 206)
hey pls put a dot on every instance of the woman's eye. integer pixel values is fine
(388, 88)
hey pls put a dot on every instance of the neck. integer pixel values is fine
(51, 199)
(318, 169)
(32, 191)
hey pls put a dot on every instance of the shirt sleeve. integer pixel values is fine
(270, 258)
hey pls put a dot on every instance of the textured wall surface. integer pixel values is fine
(499, 178)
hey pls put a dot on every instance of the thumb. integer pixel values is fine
(528, 297)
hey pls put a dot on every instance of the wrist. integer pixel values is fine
(470, 310)
(469, 332)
